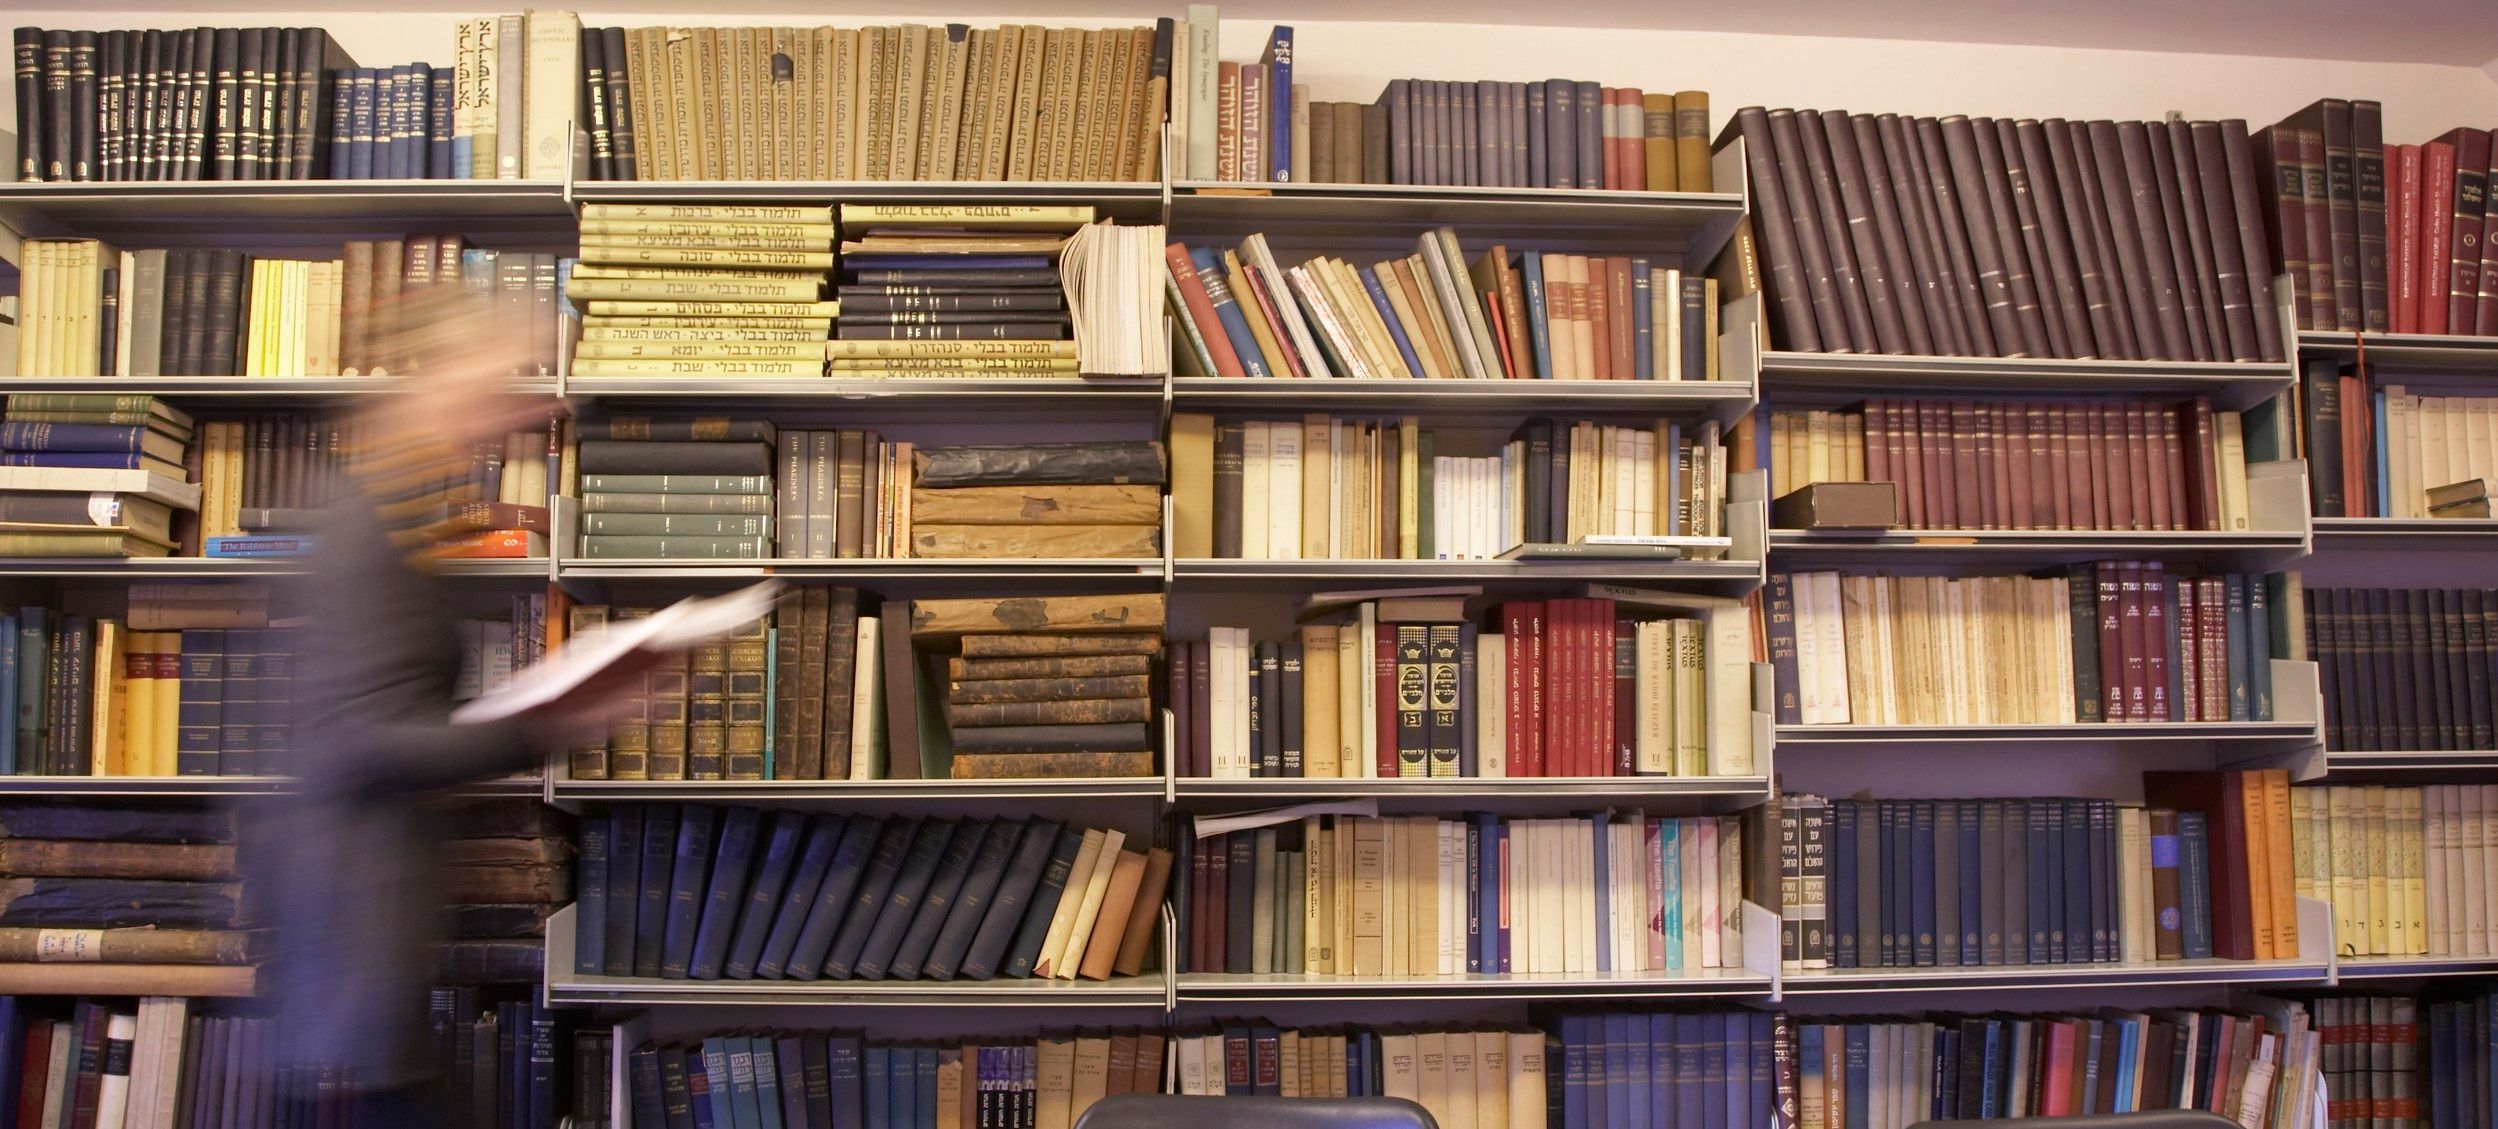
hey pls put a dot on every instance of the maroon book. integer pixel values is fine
(2156, 454)
(2138, 481)
(2485, 305)
(2046, 491)
(2463, 240)
(2189, 651)
(2173, 445)
(1942, 460)
(2216, 795)
(2132, 642)
(1383, 687)
(2202, 466)
(2110, 583)
(1968, 485)
(2155, 640)
(1908, 460)
(2085, 463)
(1877, 442)
(2212, 633)
(2012, 445)
(2115, 473)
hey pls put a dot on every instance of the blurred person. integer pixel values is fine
(349, 860)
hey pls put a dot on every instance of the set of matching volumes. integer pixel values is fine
(502, 1063)
(678, 485)
(703, 290)
(94, 476)
(2373, 1068)
(1330, 488)
(2256, 1068)
(2405, 668)
(1033, 501)
(2381, 238)
(1619, 682)
(946, 102)
(2407, 870)
(189, 104)
(1431, 316)
(703, 893)
(1401, 897)
(838, 1080)
(1992, 238)
(1980, 464)
(2459, 1072)
(2114, 641)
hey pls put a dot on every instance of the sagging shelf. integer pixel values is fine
(2038, 977)
(1345, 218)
(2232, 385)
(120, 211)
(2408, 534)
(1202, 794)
(2405, 352)
(1725, 400)
(852, 792)
(2163, 732)
(2410, 967)
(1283, 576)
(2257, 550)
(1206, 987)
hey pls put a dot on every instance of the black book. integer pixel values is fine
(724, 898)
(222, 132)
(1239, 900)
(1781, 249)
(1042, 905)
(594, 102)
(620, 456)
(1829, 211)
(963, 920)
(999, 921)
(642, 1078)
(2079, 303)
(2097, 148)
(883, 299)
(923, 276)
(1285, 720)
(85, 147)
(624, 889)
(1930, 171)
(26, 56)
(2238, 291)
(224, 302)
(59, 133)
(2012, 241)
(1229, 456)
(1874, 243)
(782, 841)
(1958, 138)
(1887, 149)
(143, 95)
(197, 105)
(112, 58)
(625, 165)
(2201, 248)
(991, 330)
(969, 844)
(789, 1068)
(937, 846)
(815, 1058)
(2178, 240)
(852, 319)
(677, 1068)
(789, 917)
(284, 90)
(650, 916)
(857, 914)
(247, 102)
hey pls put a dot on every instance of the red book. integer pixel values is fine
(1201, 310)
(2155, 640)
(1941, 456)
(2056, 1095)
(2111, 640)
(1538, 687)
(2173, 448)
(2466, 200)
(87, 1058)
(2046, 487)
(2402, 208)
(2012, 439)
(491, 544)
(2089, 464)
(2132, 642)
(1562, 701)
(2224, 814)
(1596, 297)
(2437, 223)
(1514, 687)
(2138, 482)
(2204, 467)
(37, 1072)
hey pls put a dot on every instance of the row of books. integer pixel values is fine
(1334, 488)
(87, 309)
(901, 102)
(825, 1080)
(2106, 642)
(1976, 464)
(1418, 896)
(1627, 682)
(2404, 668)
(94, 696)
(2436, 216)
(2404, 868)
(1993, 238)
(1925, 883)
(191, 104)
(514, 1063)
(2371, 1063)
(2425, 446)
(1430, 316)
(703, 893)
(506, 866)
(2457, 1069)
(2256, 1068)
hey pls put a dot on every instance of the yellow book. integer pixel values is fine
(1317, 491)
(728, 231)
(715, 241)
(231, 515)
(698, 367)
(166, 713)
(811, 351)
(602, 309)
(802, 288)
(110, 707)
(612, 326)
(1657, 140)
(904, 350)
(1319, 675)
(690, 334)
(90, 337)
(1408, 518)
(712, 213)
(959, 366)
(630, 254)
(684, 273)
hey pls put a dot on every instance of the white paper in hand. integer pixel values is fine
(680, 626)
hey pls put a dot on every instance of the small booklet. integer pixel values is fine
(680, 626)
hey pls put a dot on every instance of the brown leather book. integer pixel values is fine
(1052, 766)
(1780, 243)
(1976, 217)
(1127, 875)
(849, 493)
(2114, 470)
(2125, 234)
(1058, 644)
(2012, 242)
(2028, 162)
(195, 862)
(534, 885)
(840, 646)
(1064, 542)
(1136, 938)
(1620, 339)
(1966, 479)
(2212, 636)
(2086, 227)
(1804, 173)
(1941, 457)
(2237, 290)
(1048, 689)
(2046, 480)
(2173, 447)
(1906, 234)
(1072, 712)
(1877, 429)
(2012, 439)
(1077, 614)
(2172, 196)
(1888, 289)
(1081, 666)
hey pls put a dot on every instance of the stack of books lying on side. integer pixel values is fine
(675, 489)
(703, 893)
(1977, 237)
(139, 886)
(828, 1079)
(1036, 501)
(1333, 488)
(94, 476)
(89, 310)
(2406, 869)
(2114, 641)
(190, 681)
(703, 290)
(1250, 122)
(1979, 464)
(973, 273)
(2255, 1065)
(2405, 668)
(2204, 872)
(1619, 682)
(513, 1063)
(1421, 896)
(1041, 687)
(901, 102)
(507, 867)
(1429, 315)
(271, 103)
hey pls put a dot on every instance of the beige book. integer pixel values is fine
(1148, 98)
(1091, 79)
(1370, 909)
(1353, 757)
(1054, 1077)
(746, 102)
(1063, 92)
(1091, 1079)
(1107, 96)
(878, 63)
(2345, 859)
(1431, 1075)
(1370, 328)
(944, 141)
(1408, 515)
(1192, 486)
(845, 116)
(704, 233)
(1319, 676)
(1400, 1073)
(1062, 920)
(1017, 51)
(1039, 505)
(697, 88)
(1119, 116)
(553, 78)
(1316, 497)
(644, 86)
(910, 100)
(1397, 282)
(1067, 959)
(2414, 859)
(786, 66)
(979, 73)
(796, 289)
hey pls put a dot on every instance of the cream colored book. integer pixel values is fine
(2233, 496)
(1066, 961)
(1284, 490)
(108, 705)
(1091, 1078)
(1431, 1075)
(1054, 1078)
(554, 75)
(1369, 883)
(1317, 498)
(1319, 717)
(1062, 921)
(797, 288)
(1525, 1077)
(1256, 483)
(867, 703)
(704, 366)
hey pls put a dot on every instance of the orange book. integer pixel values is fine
(2278, 859)
(2250, 787)
(496, 544)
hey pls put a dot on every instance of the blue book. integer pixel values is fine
(351, 146)
(8, 701)
(924, 1086)
(463, 154)
(815, 1056)
(1387, 314)
(1856, 1062)
(789, 1071)
(199, 722)
(1643, 324)
(1898, 918)
(763, 897)
(1689, 1104)
(650, 914)
(1761, 1095)
(438, 126)
(906, 261)
(1501, 941)
(843, 1075)
(1278, 61)
(1575, 1049)
(746, 1081)
(1481, 838)
(2194, 884)
(2046, 904)
(624, 889)
(1715, 1060)
(866, 846)
(2259, 647)
(1604, 883)
(2129, 1044)
(697, 1083)
(1810, 1041)
(692, 866)
(1007, 906)
(416, 91)
(932, 848)
(1228, 313)
(1652, 1090)
(2074, 853)
(589, 950)
(876, 1081)
(1539, 320)
(1843, 863)
(391, 149)
(1036, 926)
(1613, 1081)
(341, 126)
(85, 460)
(902, 1086)
(1670, 913)
(723, 898)
(937, 902)
(114, 438)
(1695, 325)
(642, 1078)
(963, 919)
(1972, 884)
(901, 842)
(789, 916)
(722, 1097)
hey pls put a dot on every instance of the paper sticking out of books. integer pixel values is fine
(1620, 547)
(680, 626)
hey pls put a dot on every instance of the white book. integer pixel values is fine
(2433, 858)
(1256, 484)
(1368, 688)
(1450, 897)
(1201, 84)
(1257, 256)
(1526, 1104)
(1492, 707)
(56, 1106)
(1691, 864)
(867, 702)
(554, 75)
(1830, 649)
(1670, 328)
(1089, 857)
(1353, 759)
(511, 96)
(1464, 1068)
(2477, 902)
(1338, 512)
(2480, 444)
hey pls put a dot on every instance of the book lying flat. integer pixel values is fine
(629, 643)
(1615, 547)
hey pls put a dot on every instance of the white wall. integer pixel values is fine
(1351, 61)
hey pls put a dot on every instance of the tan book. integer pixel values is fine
(1076, 614)
(1319, 676)
(1025, 158)
(1069, 80)
(1046, 542)
(880, 66)
(688, 88)
(1098, 764)
(702, 367)
(944, 140)
(110, 706)
(1691, 141)
(1397, 284)
(1110, 922)
(554, 72)
(809, 215)
(1657, 140)
(1119, 113)
(1017, 48)
(845, 116)
(979, 70)
(1144, 913)
(815, 104)
(1317, 491)
(1192, 485)
(786, 67)
(749, 104)
(703, 233)
(1085, 159)
(797, 289)
(1146, 98)
(646, 49)
(1422, 292)
(696, 332)
(1238, 278)
(910, 83)
(1038, 505)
